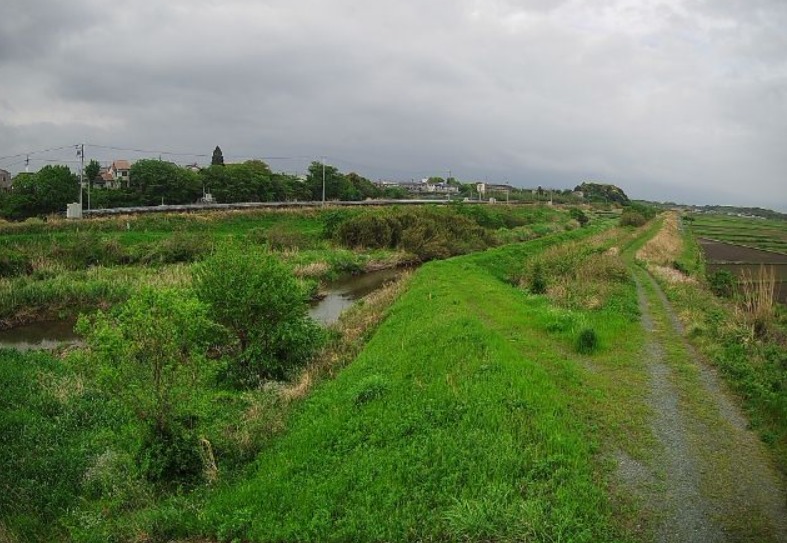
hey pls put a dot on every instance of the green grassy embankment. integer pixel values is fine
(467, 416)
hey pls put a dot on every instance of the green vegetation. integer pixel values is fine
(765, 234)
(470, 428)
(261, 303)
(600, 192)
(742, 337)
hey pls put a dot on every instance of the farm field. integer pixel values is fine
(770, 235)
(742, 246)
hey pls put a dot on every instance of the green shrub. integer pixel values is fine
(179, 247)
(151, 354)
(587, 341)
(258, 299)
(722, 283)
(538, 280)
(579, 216)
(13, 264)
(428, 233)
(632, 218)
(281, 236)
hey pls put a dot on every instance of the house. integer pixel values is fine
(106, 180)
(5, 180)
(483, 188)
(121, 171)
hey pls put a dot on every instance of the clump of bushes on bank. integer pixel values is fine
(575, 275)
(254, 296)
(428, 233)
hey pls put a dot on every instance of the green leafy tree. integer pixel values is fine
(334, 181)
(47, 191)
(156, 181)
(151, 355)
(91, 171)
(218, 157)
(258, 299)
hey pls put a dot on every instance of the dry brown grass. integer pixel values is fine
(312, 269)
(666, 246)
(62, 388)
(757, 298)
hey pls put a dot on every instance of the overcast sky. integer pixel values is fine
(682, 100)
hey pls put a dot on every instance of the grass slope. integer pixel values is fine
(463, 418)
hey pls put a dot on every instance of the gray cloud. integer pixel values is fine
(673, 100)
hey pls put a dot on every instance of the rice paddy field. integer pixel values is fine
(769, 235)
(743, 246)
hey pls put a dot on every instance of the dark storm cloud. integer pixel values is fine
(678, 99)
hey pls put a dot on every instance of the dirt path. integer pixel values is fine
(710, 479)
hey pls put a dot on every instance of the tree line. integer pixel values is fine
(154, 182)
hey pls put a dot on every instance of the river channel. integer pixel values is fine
(338, 296)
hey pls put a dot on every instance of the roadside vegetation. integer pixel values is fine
(191, 366)
(739, 327)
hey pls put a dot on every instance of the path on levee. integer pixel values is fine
(710, 478)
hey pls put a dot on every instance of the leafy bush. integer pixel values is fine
(579, 216)
(428, 233)
(722, 283)
(13, 263)
(587, 342)
(179, 247)
(151, 354)
(632, 218)
(259, 300)
(538, 281)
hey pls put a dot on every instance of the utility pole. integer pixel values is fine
(81, 155)
(27, 164)
(322, 158)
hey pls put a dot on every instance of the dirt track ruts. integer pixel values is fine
(711, 479)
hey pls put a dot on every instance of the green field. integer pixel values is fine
(770, 235)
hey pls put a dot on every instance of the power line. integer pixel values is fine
(40, 151)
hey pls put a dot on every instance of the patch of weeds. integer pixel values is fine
(587, 342)
(369, 389)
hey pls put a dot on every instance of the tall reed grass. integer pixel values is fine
(757, 298)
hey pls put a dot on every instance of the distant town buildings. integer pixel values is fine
(419, 187)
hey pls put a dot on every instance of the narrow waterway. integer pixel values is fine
(39, 335)
(339, 295)
(344, 292)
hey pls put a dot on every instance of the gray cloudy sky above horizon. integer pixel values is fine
(673, 100)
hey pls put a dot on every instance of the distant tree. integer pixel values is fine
(47, 191)
(435, 180)
(156, 180)
(91, 171)
(334, 180)
(218, 157)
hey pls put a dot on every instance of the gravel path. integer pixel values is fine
(714, 479)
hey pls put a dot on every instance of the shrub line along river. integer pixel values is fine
(338, 296)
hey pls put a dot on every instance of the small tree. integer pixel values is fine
(218, 157)
(263, 305)
(150, 355)
(91, 171)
